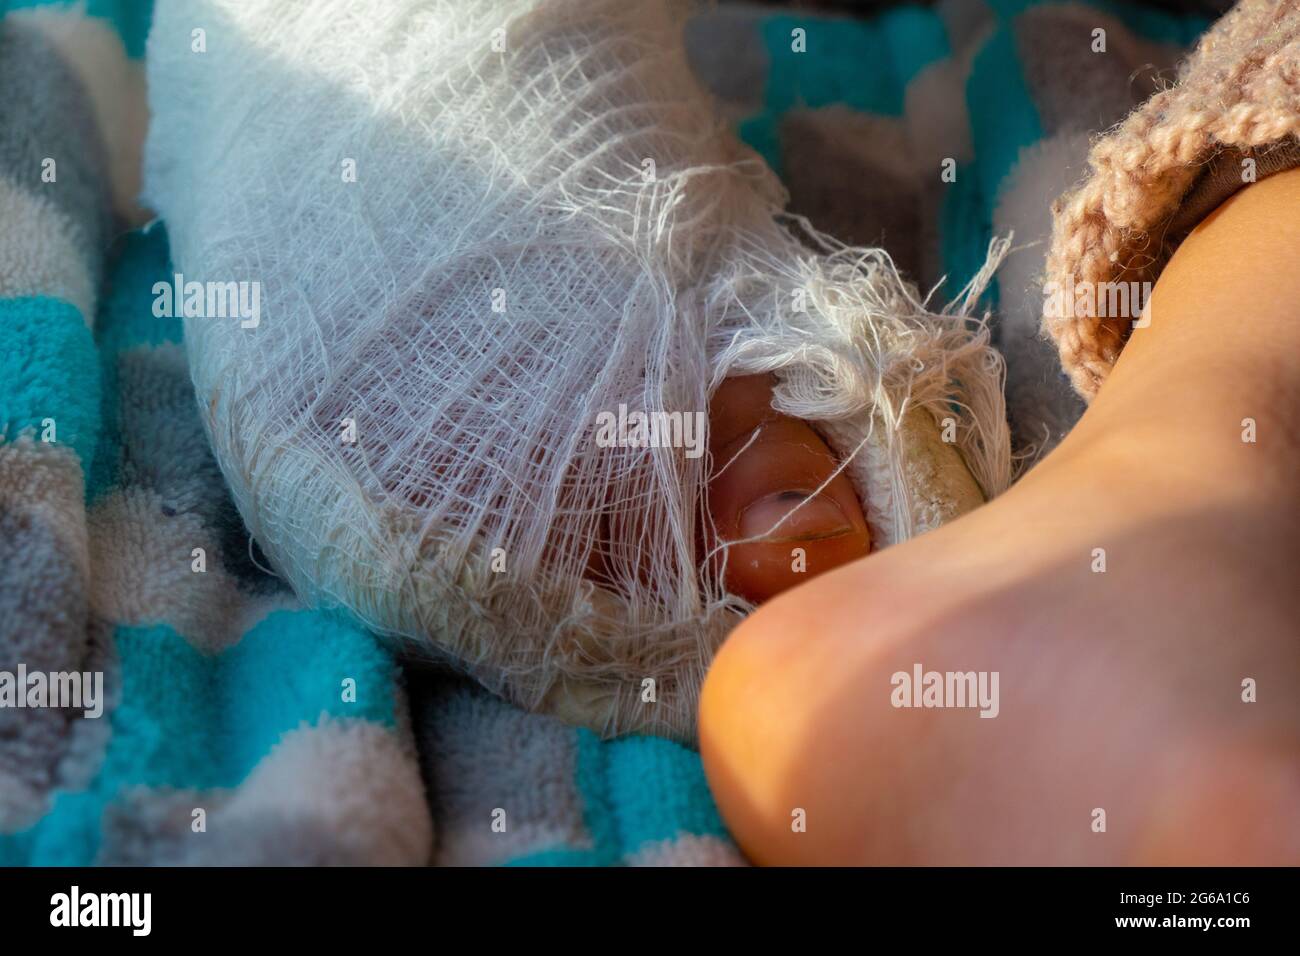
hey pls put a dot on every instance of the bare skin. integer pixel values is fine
(765, 464)
(1120, 690)
(761, 503)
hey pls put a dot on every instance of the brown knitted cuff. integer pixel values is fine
(1165, 167)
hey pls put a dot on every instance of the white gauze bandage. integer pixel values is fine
(475, 226)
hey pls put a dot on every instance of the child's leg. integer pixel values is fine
(1135, 594)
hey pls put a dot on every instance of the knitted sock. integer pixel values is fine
(1233, 115)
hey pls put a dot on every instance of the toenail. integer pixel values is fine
(794, 516)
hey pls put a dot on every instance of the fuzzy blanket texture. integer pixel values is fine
(301, 738)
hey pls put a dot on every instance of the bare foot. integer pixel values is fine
(1135, 594)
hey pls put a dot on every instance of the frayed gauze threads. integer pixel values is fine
(1239, 89)
(560, 157)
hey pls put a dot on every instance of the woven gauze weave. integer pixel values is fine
(475, 227)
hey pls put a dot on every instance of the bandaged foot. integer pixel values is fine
(478, 227)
